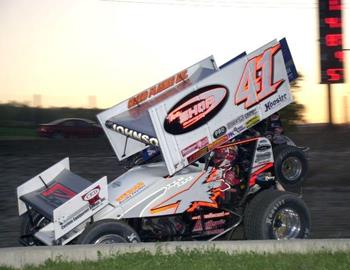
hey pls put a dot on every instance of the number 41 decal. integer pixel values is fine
(256, 82)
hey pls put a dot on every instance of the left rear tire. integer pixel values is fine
(31, 222)
(108, 231)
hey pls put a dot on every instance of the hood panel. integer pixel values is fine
(135, 189)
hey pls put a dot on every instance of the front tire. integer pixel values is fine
(108, 231)
(273, 214)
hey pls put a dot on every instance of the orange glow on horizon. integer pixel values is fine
(65, 52)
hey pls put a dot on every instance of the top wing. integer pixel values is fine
(210, 106)
(128, 125)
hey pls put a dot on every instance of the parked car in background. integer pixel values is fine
(70, 127)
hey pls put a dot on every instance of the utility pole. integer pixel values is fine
(330, 108)
(331, 47)
(345, 100)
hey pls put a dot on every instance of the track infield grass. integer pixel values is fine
(207, 260)
(17, 132)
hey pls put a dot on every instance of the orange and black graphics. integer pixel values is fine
(257, 82)
(196, 109)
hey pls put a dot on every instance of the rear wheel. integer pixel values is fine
(31, 222)
(108, 232)
(290, 165)
(57, 136)
(273, 214)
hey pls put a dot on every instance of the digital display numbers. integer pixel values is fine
(331, 41)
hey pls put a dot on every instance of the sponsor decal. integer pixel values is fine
(93, 196)
(57, 194)
(262, 157)
(179, 182)
(139, 136)
(219, 132)
(93, 199)
(218, 142)
(74, 217)
(272, 104)
(257, 81)
(207, 149)
(196, 109)
(131, 192)
(252, 121)
(239, 129)
(236, 121)
(198, 154)
(230, 135)
(195, 146)
(209, 225)
(212, 215)
(240, 119)
(158, 88)
(263, 148)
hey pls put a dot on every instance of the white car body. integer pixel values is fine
(187, 116)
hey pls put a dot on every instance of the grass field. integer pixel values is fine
(209, 260)
(17, 132)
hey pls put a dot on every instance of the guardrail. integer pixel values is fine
(20, 256)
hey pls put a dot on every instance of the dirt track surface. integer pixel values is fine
(326, 190)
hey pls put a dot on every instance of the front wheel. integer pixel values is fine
(108, 231)
(273, 214)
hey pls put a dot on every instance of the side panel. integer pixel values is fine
(186, 194)
(221, 106)
(80, 207)
(147, 191)
(174, 195)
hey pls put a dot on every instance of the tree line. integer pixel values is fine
(19, 115)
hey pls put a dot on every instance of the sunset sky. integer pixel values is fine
(68, 50)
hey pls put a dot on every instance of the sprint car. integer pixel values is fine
(212, 173)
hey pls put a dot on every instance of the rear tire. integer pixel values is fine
(290, 165)
(28, 228)
(273, 214)
(57, 136)
(108, 231)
